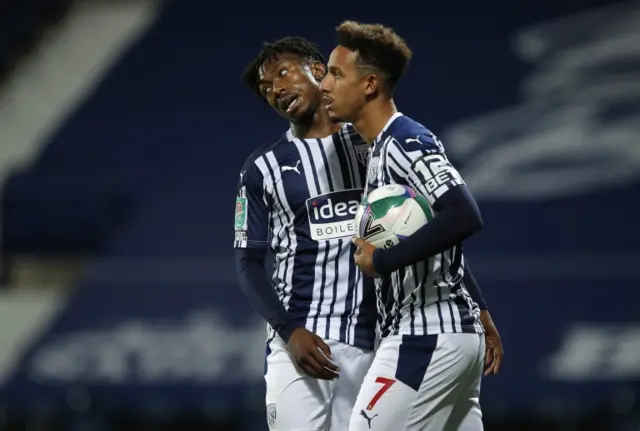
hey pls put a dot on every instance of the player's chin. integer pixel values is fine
(297, 114)
(335, 116)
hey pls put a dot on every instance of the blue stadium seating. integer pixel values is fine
(148, 166)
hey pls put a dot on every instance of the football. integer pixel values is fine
(391, 213)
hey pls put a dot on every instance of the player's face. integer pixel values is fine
(343, 86)
(291, 86)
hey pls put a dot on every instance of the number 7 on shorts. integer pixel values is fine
(386, 384)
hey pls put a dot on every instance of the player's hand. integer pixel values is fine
(364, 257)
(494, 352)
(312, 354)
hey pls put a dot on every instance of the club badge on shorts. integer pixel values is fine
(271, 415)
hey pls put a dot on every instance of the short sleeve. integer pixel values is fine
(421, 162)
(251, 214)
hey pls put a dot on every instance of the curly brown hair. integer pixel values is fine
(378, 47)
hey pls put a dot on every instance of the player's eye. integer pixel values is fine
(282, 72)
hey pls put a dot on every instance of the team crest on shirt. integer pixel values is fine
(271, 415)
(362, 153)
(372, 173)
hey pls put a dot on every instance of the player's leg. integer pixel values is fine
(446, 381)
(415, 382)
(295, 401)
(467, 414)
(383, 402)
(354, 364)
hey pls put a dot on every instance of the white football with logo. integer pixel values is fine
(391, 213)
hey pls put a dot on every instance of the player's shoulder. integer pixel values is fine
(352, 136)
(411, 135)
(261, 151)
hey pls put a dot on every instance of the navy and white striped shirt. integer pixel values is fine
(428, 297)
(298, 197)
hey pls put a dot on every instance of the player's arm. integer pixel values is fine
(494, 351)
(472, 287)
(250, 244)
(457, 216)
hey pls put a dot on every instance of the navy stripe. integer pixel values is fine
(314, 169)
(402, 152)
(423, 294)
(456, 263)
(414, 297)
(348, 178)
(366, 322)
(272, 227)
(453, 319)
(351, 157)
(398, 286)
(414, 357)
(336, 273)
(347, 315)
(345, 167)
(464, 303)
(395, 177)
(326, 165)
(438, 304)
(388, 302)
(323, 280)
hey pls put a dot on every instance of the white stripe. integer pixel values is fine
(331, 275)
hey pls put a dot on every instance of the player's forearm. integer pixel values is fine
(457, 218)
(255, 283)
(472, 287)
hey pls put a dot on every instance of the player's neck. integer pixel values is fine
(373, 118)
(320, 126)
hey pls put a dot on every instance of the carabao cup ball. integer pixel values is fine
(391, 213)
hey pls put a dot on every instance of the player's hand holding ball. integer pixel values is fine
(386, 216)
(312, 354)
(364, 257)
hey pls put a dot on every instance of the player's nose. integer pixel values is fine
(324, 85)
(279, 90)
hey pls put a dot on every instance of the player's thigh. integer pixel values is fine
(449, 378)
(383, 402)
(354, 363)
(467, 413)
(295, 401)
(413, 383)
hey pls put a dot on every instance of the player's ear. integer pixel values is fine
(371, 85)
(318, 70)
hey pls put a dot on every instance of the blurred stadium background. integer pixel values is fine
(123, 125)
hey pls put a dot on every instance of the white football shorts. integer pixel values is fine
(419, 383)
(297, 402)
